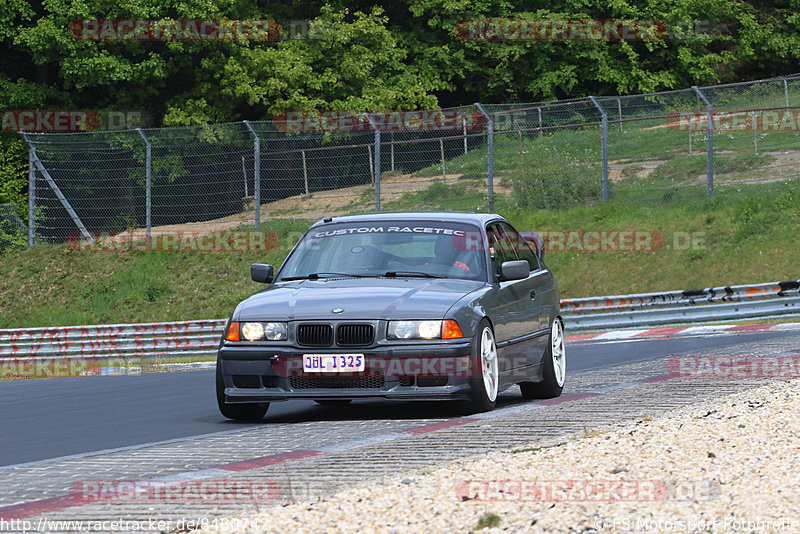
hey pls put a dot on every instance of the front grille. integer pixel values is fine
(354, 335)
(338, 382)
(315, 335)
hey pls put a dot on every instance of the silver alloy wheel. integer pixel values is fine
(558, 351)
(489, 369)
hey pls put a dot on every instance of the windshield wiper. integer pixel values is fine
(317, 276)
(409, 274)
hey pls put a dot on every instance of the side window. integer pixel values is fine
(501, 248)
(523, 248)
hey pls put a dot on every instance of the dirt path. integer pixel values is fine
(360, 198)
(318, 204)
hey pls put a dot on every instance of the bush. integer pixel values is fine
(12, 236)
(556, 180)
(14, 174)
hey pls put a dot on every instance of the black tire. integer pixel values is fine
(238, 412)
(333, 402)
(483, 398)
(551, 386)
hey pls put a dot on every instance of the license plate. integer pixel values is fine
(333, 363)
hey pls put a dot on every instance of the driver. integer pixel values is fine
(447, 253)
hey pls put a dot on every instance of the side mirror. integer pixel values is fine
(262, 273)
(515, 270)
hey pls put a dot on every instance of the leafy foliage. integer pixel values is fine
(14, 174)
(362, 56)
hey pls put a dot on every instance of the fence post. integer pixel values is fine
(31, 198)
(603, 146)
(786, 92)
(147, 181)
(619, 110)
(490, 148)
(540, 121)
(377, 164)
(464, 131)
(441, 152)
(755, 133)
(57, 190)
(371, 165)
(256, 174)
(305, 170)
(709, 141)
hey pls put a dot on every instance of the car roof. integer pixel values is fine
(478, 219)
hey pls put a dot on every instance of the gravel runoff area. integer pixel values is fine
(729, 465)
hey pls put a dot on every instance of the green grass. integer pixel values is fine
(731, 239)
(488, 520)
(468, 195)
(546, 183)
(561, 169)
(736, 240)
(59, 286)
(688, 168)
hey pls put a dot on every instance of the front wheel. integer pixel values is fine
(484, 387)
(554, 370)
(238, 412)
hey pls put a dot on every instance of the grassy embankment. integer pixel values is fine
(736, 240)
(746, 233)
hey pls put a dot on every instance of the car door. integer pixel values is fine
(539, 288)
(508, 305)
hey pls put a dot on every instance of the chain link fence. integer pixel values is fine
(663, 147)
(13, 232)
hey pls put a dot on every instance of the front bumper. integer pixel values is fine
(420, 372)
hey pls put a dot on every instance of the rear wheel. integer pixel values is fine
(333, 402)
(554, 369)
(238, 412)
(484, 387)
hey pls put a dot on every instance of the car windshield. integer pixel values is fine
(400, 249)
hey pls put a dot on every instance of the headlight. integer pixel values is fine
(264, 331)
(414, 330)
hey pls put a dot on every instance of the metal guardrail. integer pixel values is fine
(178, 339)
(200, 338)
(700, 305)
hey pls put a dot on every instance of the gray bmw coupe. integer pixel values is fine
(397, 306)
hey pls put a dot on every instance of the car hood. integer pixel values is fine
(359, 298)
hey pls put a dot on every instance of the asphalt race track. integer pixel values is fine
(60, 433)
(58, 417)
